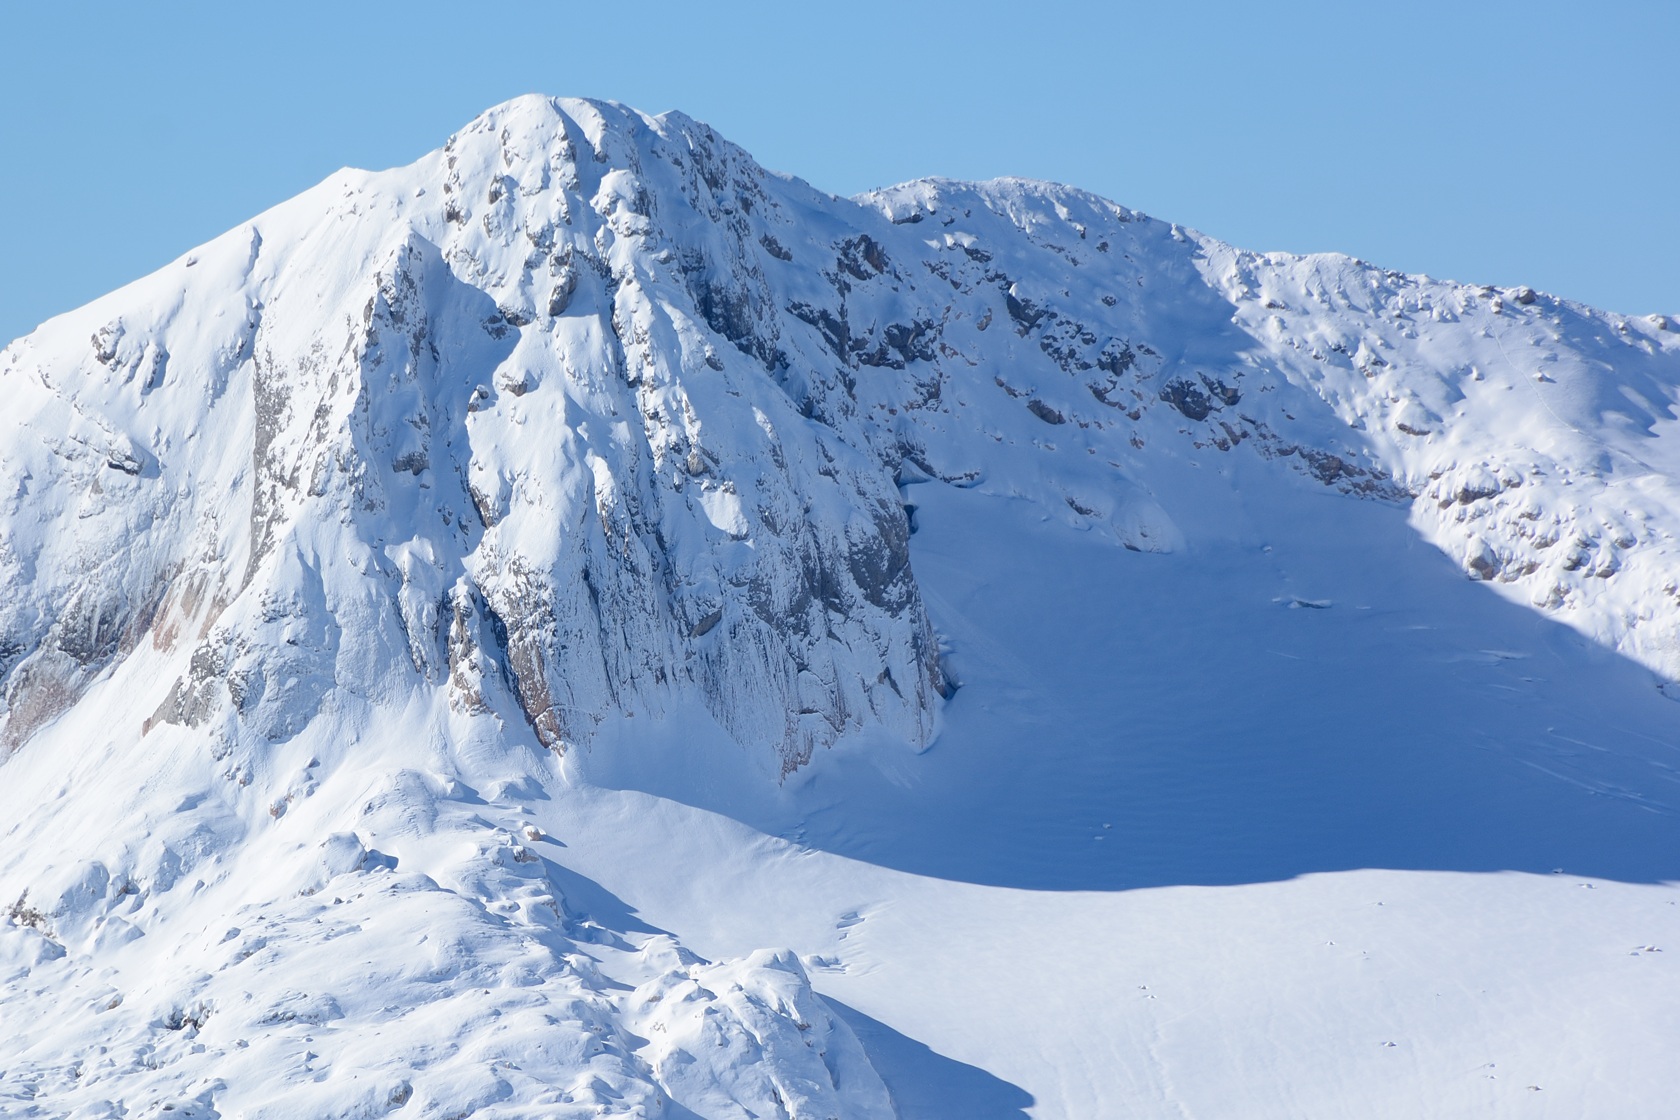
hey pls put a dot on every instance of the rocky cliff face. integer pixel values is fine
(483, 425)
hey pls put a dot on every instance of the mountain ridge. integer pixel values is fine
(338, 549)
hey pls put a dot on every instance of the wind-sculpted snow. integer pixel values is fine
(327, 978)
(322, 546)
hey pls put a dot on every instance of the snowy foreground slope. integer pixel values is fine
(581, 625)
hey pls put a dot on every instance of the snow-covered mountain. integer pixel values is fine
(397, 581)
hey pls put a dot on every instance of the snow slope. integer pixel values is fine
(582, 625)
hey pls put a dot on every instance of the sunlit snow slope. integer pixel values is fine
(581, 625)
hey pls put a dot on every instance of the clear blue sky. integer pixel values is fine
(1505, 143)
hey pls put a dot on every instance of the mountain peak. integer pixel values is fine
(584, 448)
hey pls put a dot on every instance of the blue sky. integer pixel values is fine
(1496, 143)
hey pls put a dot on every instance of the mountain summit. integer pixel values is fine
(335, 551)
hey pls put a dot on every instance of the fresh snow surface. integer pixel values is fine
(584, 626)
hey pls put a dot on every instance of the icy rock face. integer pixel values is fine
(468, 423)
